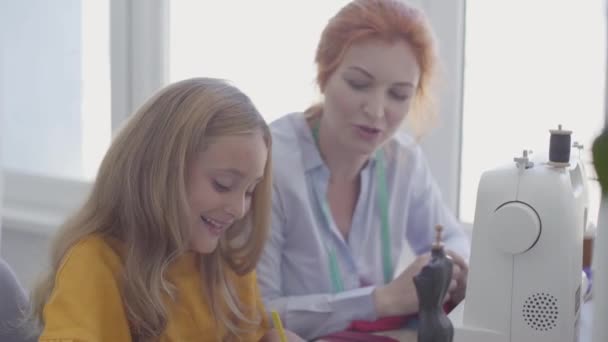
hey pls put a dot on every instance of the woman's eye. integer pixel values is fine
(399, 96)
(358, 85)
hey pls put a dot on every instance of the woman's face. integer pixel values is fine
(370, 93)
(221, 184)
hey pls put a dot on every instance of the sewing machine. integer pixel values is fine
(525, 277)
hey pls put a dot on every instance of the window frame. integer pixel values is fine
(139, 41)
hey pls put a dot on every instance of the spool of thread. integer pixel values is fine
(559, 146)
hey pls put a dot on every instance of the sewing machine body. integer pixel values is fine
(524, 281)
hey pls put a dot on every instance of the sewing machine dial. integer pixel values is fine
(514, 227)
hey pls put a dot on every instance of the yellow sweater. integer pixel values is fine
(86, 303)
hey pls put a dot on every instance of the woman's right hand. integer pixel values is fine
(399, 296)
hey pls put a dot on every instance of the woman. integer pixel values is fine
(165, 246)
(351, 190)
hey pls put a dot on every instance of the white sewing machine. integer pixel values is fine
(525, 279)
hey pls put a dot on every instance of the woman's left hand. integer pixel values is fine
(273, 336)
(460, 272)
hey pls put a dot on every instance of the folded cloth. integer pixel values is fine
(382, 324)
(390, 323)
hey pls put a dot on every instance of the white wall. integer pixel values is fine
(442, 145)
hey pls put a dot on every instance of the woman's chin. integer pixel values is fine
(363, 149)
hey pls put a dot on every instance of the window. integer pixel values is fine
(62, 93)
(265, 47)
(55, 87)
(529, 66)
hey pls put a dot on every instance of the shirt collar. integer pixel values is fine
(311, 157)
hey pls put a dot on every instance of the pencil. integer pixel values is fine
(279, 326)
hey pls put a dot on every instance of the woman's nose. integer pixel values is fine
(374, 106)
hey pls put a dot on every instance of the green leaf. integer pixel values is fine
(600, 160)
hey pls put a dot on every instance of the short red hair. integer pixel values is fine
(389, 21)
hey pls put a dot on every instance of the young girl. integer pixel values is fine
(165, 246)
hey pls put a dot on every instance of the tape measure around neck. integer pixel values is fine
(382, 199)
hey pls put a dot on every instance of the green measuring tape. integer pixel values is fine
(382, 198)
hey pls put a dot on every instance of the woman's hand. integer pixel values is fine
(273, 336)
(399, 296)
(460, 273)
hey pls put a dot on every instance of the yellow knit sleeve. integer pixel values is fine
(252, 300)
(86, 305)
(260, 304)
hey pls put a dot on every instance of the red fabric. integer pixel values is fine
(390, 323)
(449, 306)
(382, 324)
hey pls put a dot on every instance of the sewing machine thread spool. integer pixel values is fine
(559, 147)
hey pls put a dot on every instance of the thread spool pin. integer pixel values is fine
(579, 147)
(438, 230)
(524, 162)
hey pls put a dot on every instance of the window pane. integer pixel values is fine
(265, 47)
(530, 65)
(55, 89)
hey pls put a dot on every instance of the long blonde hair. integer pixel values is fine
(139, 197)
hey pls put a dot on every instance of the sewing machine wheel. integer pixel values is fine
(515, 227)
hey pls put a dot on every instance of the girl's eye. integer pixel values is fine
(220, 187)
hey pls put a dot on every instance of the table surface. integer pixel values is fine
(404, 335)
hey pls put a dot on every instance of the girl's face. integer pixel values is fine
(221, 185)
(370, 93)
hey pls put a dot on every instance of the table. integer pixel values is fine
(404, 335)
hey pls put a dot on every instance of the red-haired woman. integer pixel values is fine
(351, 188)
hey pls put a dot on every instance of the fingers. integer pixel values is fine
(292, 337)
(453, 285)
(423, 259)
(458, 285)
(447, 297)
(457, 260)
(456, 272)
